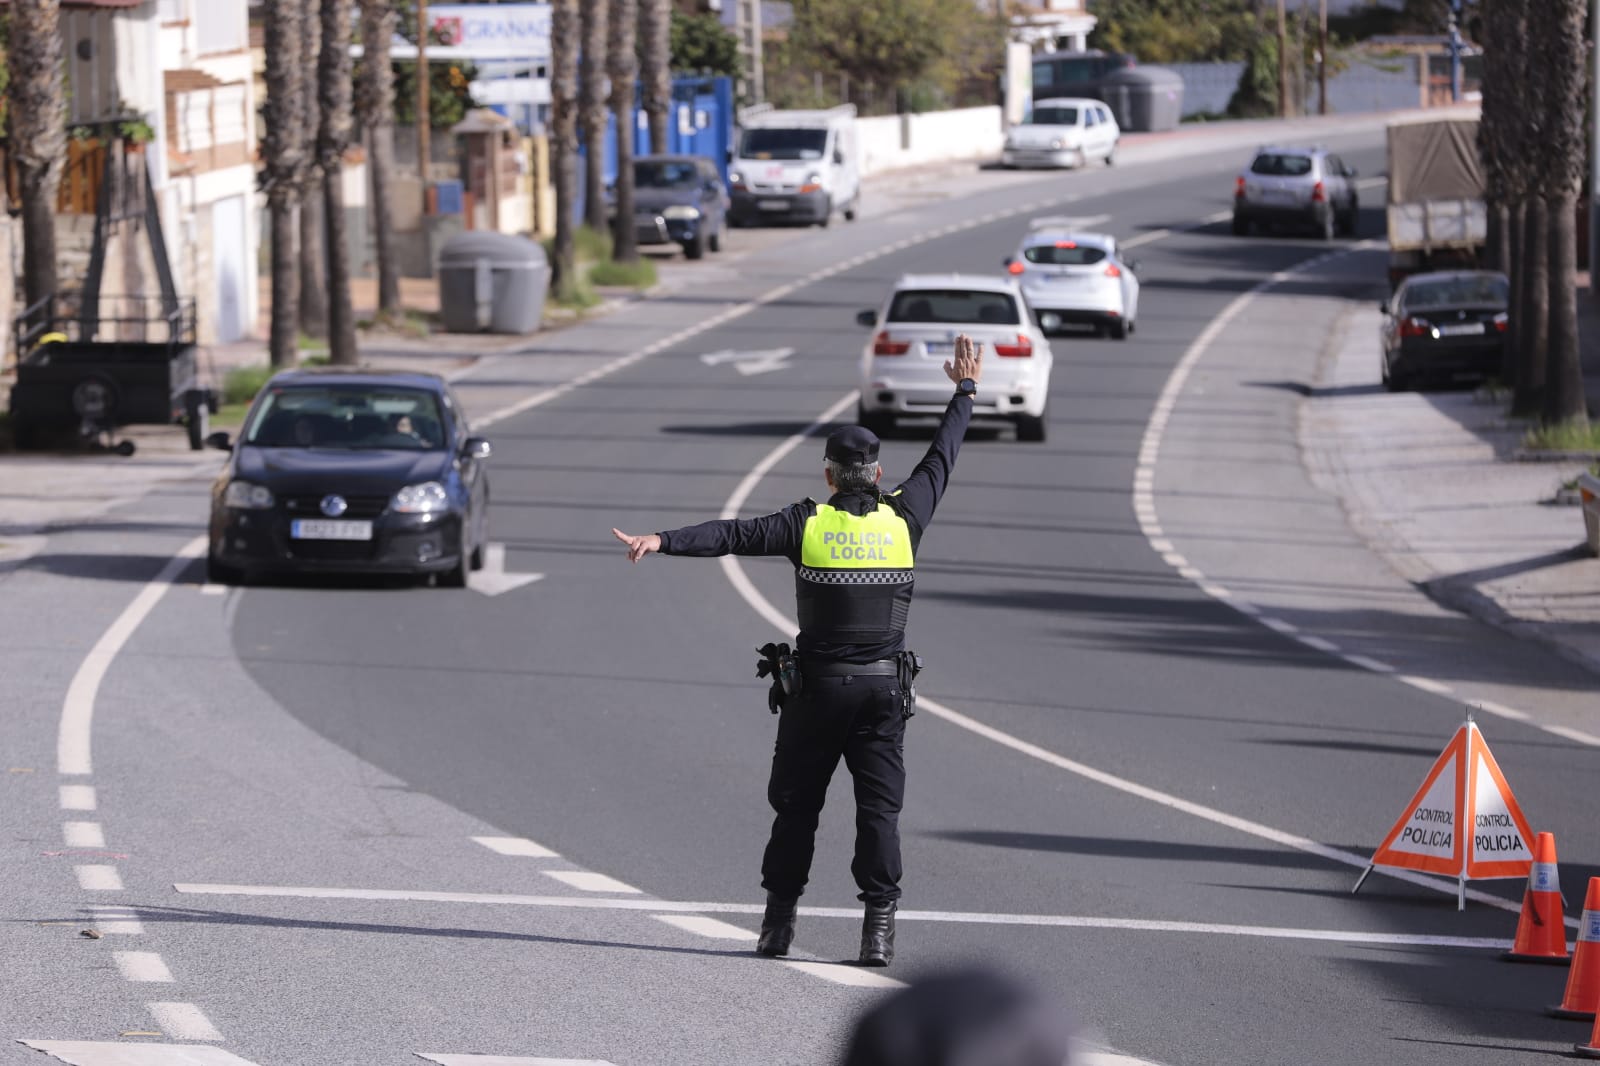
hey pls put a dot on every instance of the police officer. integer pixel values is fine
(854, 560)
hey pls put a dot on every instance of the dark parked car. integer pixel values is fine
(351, 471)
(1444, 326)
(679, 199)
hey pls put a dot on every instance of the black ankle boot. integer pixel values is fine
(877, 934)
(777, 926)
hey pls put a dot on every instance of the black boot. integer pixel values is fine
(877, 934)
(777, 926)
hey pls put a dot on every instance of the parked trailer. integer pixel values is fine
(1436, 214)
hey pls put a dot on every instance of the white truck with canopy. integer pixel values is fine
(1436, 214)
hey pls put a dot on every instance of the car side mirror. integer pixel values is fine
(476, 448)
(729, 155)
(220, 441)
(1132, 265)
(838, 156)
(1383, 306)
(1350, 172)
(1006, 262)
(867, 318)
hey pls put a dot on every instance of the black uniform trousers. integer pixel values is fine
(859, 718)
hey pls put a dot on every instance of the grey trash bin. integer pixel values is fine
(1144, 99)
(492, 283)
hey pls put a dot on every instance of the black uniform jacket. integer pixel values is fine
(780, 533)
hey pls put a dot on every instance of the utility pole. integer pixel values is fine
(424, 102)
(1283, 61)
(1322, 57)
(1455, 51)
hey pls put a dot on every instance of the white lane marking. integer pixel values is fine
(109, 1053)
(1161, 234)
(1106, 1057)
(83, 835)
(493, 580)
(703, 926)
(208, 589)
(116, 921)
(666, 908)
(1278, 625)
(516, 846)
(1369, 664)
(184, 1021)
(77, 710)
(854, 976)
(98, 878)
(1319, 643)
(589, 881)
(1573, 734)
(506, 1060)
(1426, 684)
(142, 966)
(1491, 707)
(77, 798)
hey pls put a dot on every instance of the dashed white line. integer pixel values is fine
(98, 878)
(121, 1053)
(77, 798)
(1371, 664)
(589, 881)
(1319, 643)
(444, 1059)
(208, 589)
(83, 835)
(1491, 707)
(1573, 734)
(854, 976)
(703, 926)
(1426, 684)
(520, 846)
(142, 966)
(1278, 625)
(184, 1021)
(116, 921)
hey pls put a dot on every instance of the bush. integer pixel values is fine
(1564, 437)
(640, 274)
(243, 382)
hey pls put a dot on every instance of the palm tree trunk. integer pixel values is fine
(313, 231)
(1563, 386)
(333, 137)
(1516, 231)
(564, 136)
(1497, 242)
(592, 111)
(623, 70)
(283, 152)
(1534, 336)
(655, 32)
(376, 100)
(37, 114)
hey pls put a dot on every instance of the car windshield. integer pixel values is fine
(1281, 165)
(1054, 116)
(783, 144)
(348, 417)
(955, 306)
(664, 175)
(1064, 253)
(1476, 289)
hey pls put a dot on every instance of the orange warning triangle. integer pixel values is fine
(1464, 821)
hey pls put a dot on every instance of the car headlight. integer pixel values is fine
(735, 178)
(1058, 143)
(425, 498)
(247, 496)
(681, 211)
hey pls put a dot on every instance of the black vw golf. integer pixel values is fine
(354, 471)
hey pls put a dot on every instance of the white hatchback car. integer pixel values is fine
(902, 366)
(1076, 278)
(1062, 132)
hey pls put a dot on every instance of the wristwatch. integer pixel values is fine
(966, 387)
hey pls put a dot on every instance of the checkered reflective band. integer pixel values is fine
(855, 577)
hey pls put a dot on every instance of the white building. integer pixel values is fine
(1054, 25)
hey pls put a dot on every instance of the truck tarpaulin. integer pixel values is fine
(1436, 160)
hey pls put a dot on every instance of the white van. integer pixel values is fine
(795, 166)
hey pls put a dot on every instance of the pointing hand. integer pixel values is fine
(638, 547)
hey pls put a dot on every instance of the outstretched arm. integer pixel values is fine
(919, 494)
(773, 534)
(638, 547)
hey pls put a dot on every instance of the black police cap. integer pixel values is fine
(853, 446)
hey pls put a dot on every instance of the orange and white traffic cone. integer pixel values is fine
(1583, 982)
(1542, 930)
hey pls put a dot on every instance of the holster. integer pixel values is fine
(909, 664)
(779, 662)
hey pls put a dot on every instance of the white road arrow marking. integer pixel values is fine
(493, 580)
(748, 363)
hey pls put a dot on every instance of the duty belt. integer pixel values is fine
(877, 668)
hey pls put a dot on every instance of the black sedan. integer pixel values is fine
(679, 199)
(1444, 326)
(363, 472)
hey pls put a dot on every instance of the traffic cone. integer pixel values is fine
(1583, 982)
(1542, 930)
(1591, 1050)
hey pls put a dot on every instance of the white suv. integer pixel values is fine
(914, 333)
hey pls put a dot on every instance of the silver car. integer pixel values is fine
(1300, 187)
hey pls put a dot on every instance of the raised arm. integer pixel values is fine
(920, 493)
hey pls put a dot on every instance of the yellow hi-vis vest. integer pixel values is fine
(854, 583)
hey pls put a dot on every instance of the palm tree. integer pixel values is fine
(1532, 268)
(1559, 41)
(655, 39)
(592, 111)
(313, 231)
(1496, 124)
(564, 136)
(375, 104)
(283, 152)
(38, 136)
(333, 137)
(623, 70)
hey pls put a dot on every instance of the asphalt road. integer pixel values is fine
(353, 738)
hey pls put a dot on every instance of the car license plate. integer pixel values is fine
(1464, 329)
(329, 529)
(939, 347)
(773, 205)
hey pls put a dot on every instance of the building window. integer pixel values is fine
(222, 26)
